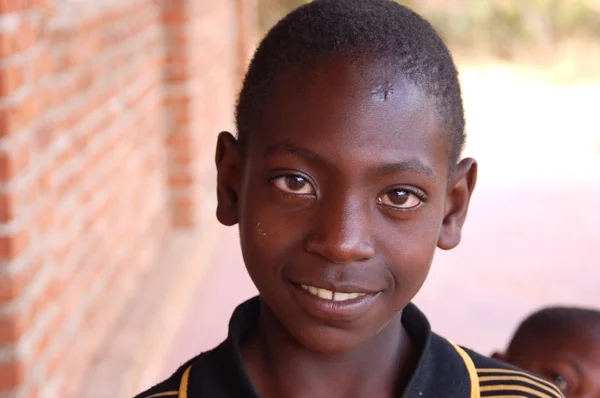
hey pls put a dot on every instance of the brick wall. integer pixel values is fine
(108, 114)
(194, 81)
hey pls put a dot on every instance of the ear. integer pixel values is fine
(460, 189)
(228, 161)
(499, 356)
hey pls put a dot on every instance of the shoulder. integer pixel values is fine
(209, 374)
(497, 378)
(172, 386)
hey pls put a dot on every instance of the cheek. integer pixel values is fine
(410, 249)
(266, 235)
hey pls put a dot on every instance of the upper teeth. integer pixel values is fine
(329, 295)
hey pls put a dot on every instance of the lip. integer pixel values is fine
(329, 310)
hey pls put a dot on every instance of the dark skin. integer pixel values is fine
(343, 185)
(570, 360)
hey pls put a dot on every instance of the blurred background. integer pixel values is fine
(113, 270)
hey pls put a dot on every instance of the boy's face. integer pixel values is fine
(571, 361)
(342, 194)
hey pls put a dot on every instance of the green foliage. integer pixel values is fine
(499, 27)
(504, 25)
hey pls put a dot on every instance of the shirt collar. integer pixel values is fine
(440, 371)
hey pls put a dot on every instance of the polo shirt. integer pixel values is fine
(444, 370)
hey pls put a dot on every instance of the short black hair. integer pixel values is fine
(551, 321)
(382, 30)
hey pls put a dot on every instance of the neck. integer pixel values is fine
(279, 366)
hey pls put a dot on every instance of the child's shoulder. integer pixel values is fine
(444, 368)
(497, 378)
(215, 373)
(171, 387)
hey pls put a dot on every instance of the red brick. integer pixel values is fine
(28, 110)
(7, 122)
(7, 207)
(40, 346)
(7, 44)
(180, 181)
(179, 139)
(46, 179)
(134, 157)
(64, 157)
(9, 288)
(7, 6)
(12, 286)
(183, 156)
(13, 375)
(12, 328)
(12, 246)
(183, 217)
(42, 66)
(178, 102)
(22, 39)
(176, 16)
(13, 163)
(18, 116)
(12, 77)
(45, 218)
(55, 364)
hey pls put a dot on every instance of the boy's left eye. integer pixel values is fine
(401, 199)
(294, 184)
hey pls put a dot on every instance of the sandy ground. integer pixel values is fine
(533, 233)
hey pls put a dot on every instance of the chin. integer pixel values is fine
(327, 340)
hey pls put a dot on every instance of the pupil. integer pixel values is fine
(399, 197)
(561, 382)
(295, 182)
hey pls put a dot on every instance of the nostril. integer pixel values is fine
(314, 248)
(339, 250)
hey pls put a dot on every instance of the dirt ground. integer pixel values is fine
(533, 233)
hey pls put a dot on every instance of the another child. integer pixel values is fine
(344, 178)
(562, 345)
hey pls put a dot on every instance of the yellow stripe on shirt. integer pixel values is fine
(164, 394)
(512, 387)
(518, 378)
(532, 379)
(183, 386)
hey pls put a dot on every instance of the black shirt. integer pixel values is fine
(444, 370)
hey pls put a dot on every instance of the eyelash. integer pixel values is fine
(421, 195)
(414, 190)
(289, 194)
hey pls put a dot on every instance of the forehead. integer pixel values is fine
(581, 345)
(366, 109)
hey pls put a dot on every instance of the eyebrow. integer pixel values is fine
(574, 365)
(411, 165)
(286, 147)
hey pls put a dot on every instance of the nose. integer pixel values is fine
(341, 233)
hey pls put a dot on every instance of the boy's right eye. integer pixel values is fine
(294, 184)
(559, 380)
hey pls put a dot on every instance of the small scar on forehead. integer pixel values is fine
(383, 91)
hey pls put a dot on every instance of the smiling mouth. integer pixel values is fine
(330, 295)
(344, 303)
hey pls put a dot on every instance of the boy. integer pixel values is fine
(561, 344)
(343, 179)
